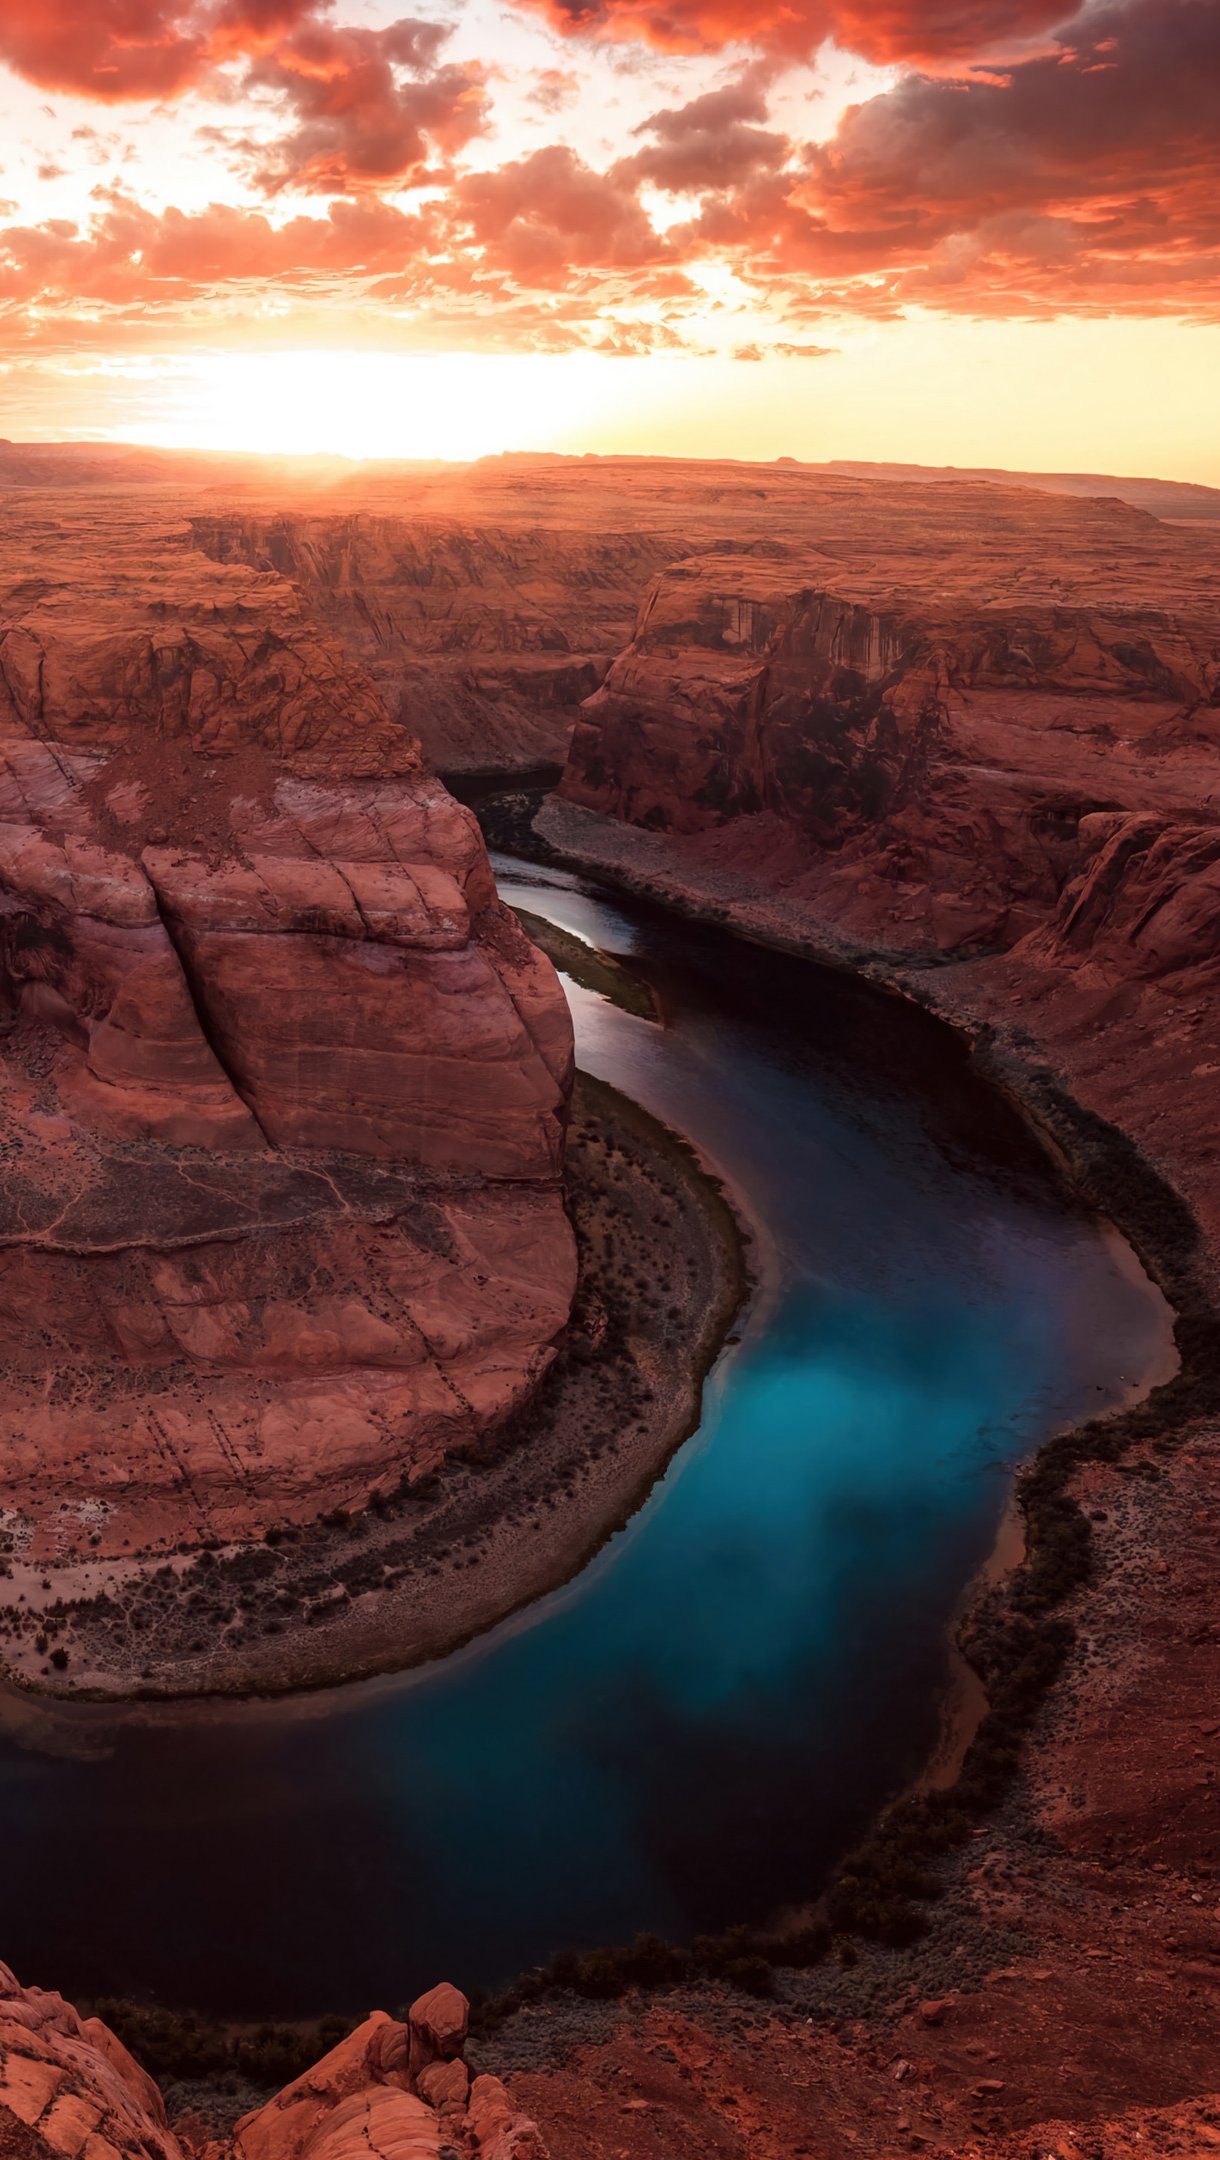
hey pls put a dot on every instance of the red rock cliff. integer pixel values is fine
(933, 744)
(482, 639)
(282, 1086)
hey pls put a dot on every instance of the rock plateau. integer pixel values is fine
(283, 1087)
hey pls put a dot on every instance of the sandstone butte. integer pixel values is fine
(963, 732)
(282, 1085)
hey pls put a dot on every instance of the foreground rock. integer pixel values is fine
(68, 2088)
(283, 1087)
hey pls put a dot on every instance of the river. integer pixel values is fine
(689, 1733)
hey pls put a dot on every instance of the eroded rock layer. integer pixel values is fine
(936, 748)
(482, 640)
(282, 1086)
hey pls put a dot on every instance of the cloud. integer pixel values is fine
(553, 89)
(103, 48)
(541, 217)
(369, 107)
(1082, 177)
(1086, 176)
(365, 107)
(131, 263)
(373, 268)
(134, 49)
(715, 142)
(922, 33)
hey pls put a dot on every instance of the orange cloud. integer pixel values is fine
(541, 217)
(357, 123)
(928, 33)
(366, 108)
(1083, 178)
(130, 49)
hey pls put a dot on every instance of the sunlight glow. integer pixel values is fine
(375, 404)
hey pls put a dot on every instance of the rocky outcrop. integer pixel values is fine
(69, 2090)
(483, 641)
(394, 2088)
(935, 758)
(283, 1087)
(68, 2087)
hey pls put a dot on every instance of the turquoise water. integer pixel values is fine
(691, 1731)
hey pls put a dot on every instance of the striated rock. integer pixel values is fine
(367, 2095)
(68, 2087)
(932, 755)
(499, 2130)
(482, 641)
(438, 2023)
(283, 1088)
(69, 2090)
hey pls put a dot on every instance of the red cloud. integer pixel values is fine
(103, 48)
(130, 49)
(1085, 179)
(546, 215)
(931, 33)
(358, 123)
(131, 270)
(1075, 166)
(715, 142)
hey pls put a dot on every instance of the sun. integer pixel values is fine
(363, 405)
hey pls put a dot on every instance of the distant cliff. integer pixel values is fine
(929, 755)
(482, 641)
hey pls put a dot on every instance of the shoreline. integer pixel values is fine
(1103, 1165)
(474, 1570)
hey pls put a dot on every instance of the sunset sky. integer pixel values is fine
(948, 230)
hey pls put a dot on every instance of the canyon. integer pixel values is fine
(285, 1101)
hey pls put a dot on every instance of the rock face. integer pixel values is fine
(394, 2088)
(483, 641)
(934, 754)
(283, 1087)
(69, 2088)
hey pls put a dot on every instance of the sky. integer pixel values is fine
(954, 231)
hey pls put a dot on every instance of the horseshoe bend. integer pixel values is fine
(285, 1086)
(870, 818)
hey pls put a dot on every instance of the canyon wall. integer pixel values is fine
(483, 641)
(934, 759)
(283, 1087)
